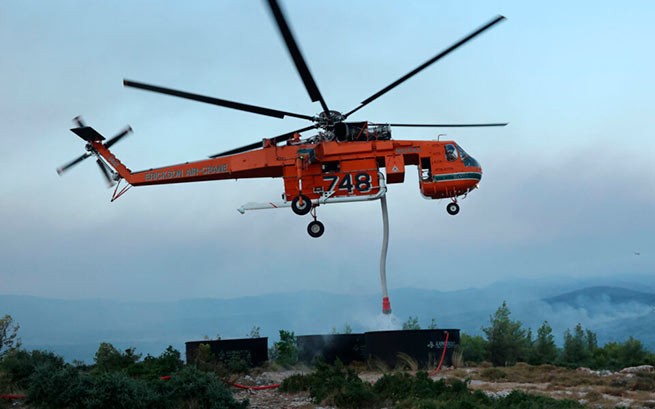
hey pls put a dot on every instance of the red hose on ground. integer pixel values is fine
(13, 396)
(443, 355)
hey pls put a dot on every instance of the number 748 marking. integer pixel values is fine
(360, 182)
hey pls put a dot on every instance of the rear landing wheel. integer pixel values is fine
(303, 209)
(452, 208)
(315, 229)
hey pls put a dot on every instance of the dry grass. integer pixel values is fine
(587, 387)
(458, 357)
(406, 362)
(378, 365)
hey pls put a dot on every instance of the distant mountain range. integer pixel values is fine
(614, 308)
(602, 295)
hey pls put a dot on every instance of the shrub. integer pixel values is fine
(333, 385)
(401, 386)
(54, 388)
(167, 363)
(341, 387)
(116, 390)
(71, 388)
(18, 365)
(493, 374)
(191, 387)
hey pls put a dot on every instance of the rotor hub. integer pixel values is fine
(329, 118)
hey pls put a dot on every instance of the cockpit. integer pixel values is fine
(454, 152)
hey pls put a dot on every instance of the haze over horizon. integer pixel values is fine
(568, 187)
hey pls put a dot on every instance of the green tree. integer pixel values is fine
(633, 353)
(507, 341)
(433, 324)
(9, 340)
(286, 350)
(109, 359)
(411, 323)
(474, 348)
(615, 356)
(167, 363)
(254, 332)
(544, 350)
(579, 347)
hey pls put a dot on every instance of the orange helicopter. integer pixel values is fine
(340, 163)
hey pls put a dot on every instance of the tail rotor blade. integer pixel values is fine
(118, 137)
(78, 121)
(72, 163)
(105, 172)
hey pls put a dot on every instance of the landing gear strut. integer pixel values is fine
(452, 208)
(315, 228)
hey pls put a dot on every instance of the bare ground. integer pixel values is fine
(595, 389)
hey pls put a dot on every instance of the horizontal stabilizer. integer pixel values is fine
(88, 134)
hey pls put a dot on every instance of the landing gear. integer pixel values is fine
(315, 229)
(452, 208)
(303, 209)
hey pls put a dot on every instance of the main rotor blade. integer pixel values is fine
(256, 145)
(427, 63)
(118, 137)
(448, 125)
(296, 55)
(289, 135)
(72, 163)
(216, 101)
(105, 172)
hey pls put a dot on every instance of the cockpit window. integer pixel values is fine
(451, 153)
(467, 159)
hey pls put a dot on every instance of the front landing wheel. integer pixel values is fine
(303, 209)
(315, 229)
(452, 208)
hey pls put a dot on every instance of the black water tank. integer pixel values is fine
(425, 346)
(346, 347)
(254, 350)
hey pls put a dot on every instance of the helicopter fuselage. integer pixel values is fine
(331, 168)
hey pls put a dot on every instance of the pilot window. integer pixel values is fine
(467, 159)
(451, 153)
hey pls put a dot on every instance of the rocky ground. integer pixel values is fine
(630, 388)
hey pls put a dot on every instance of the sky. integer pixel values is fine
(568, 186)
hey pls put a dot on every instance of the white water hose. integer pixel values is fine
(386, 304)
